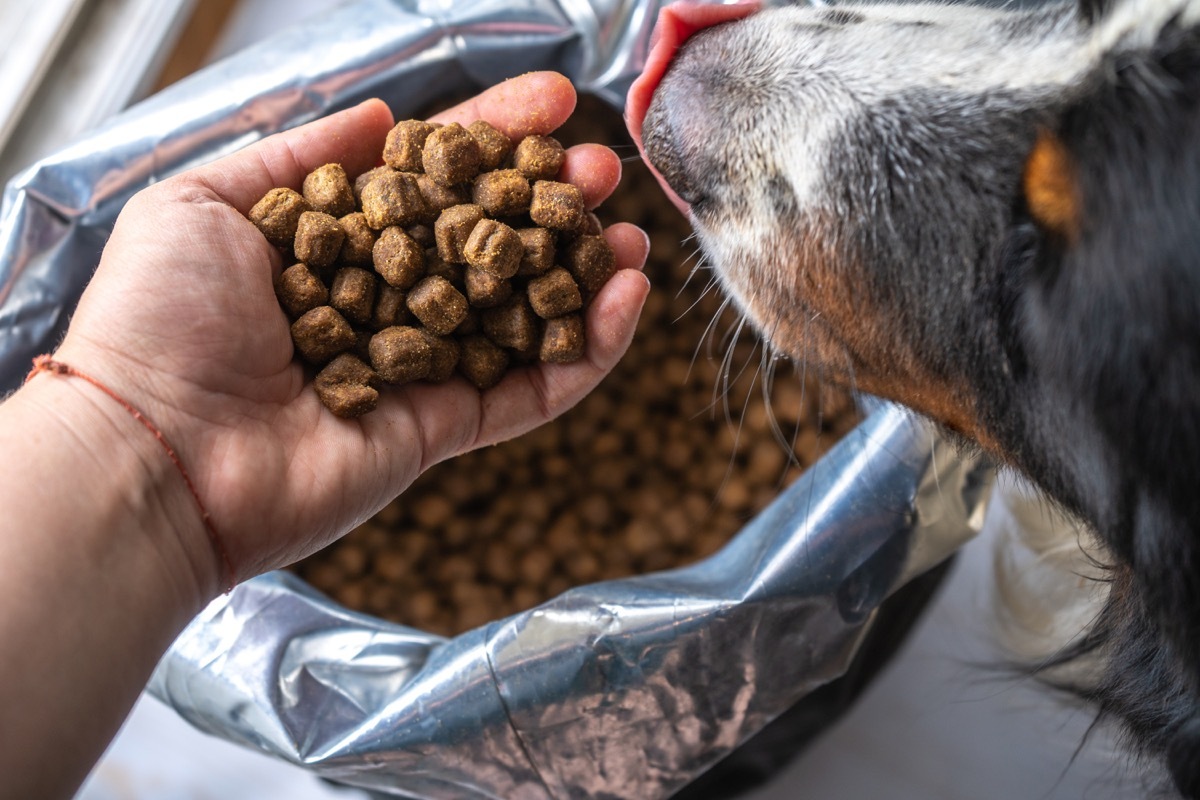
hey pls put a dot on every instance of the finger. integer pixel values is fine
(595, 169)
(536, 102)
(352, 138)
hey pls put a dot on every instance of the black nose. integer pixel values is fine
(665, 152)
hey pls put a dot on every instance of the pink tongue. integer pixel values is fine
(676, 23)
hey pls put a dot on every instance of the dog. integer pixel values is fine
(991, 216)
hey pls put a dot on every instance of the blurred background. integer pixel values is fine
(940, 722)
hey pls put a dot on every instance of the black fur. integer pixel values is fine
(1111, 326)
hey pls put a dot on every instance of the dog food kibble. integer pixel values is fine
(555, 205)
(359, 241)
(591, 260)
(481, 362)
(299, 290)
(443, 357)
(539, 251)
(397, 258)
(452, 230)
(404, 143)
(443, 261)
(390, 309)
(485, 290)
(319, 239)
(393, 198)
(438, 305)
(451, 155)
(438, 198)
(353, 294)
(401, 354)
(554, 294)
(494, 247)
(322, 333)
(348, 387)
(435, 266)
(277, 214)
(361, 181)
(503, 193)
(562, 341)
(512, 325)
(539, 158)
(494, 146)
(328, 189)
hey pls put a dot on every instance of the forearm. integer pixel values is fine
(99, 573)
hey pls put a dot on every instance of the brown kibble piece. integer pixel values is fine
(390, 308)
(438, 305)
(348, 387)
(591, 260)
(591, 225)
(469, 325)
(444, 354)
(359, 241)
(539, 158)
(353, 294)
(322, 333)
(277, 215)
(451, 155)
(482, 362)
(495, 247)
(398, 259)
(421, 234)
(393, 198)
(438, 198)
(452, 230)
(512, 325)
(556, 205)
(502, 193)
(401, 354)
(554, 294)
(485, 290)
(402, 148)
(328, 189)
(563, 340)
(319, 239)
(494, 146)
(434, 265)
(299, 290)
(538, 257)
(362, 180)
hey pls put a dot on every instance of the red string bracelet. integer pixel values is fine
(45, 363)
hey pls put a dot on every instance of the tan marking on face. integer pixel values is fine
(1051, 191)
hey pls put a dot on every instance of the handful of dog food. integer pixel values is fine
(461, 254)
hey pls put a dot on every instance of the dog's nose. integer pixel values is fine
(676, 23)
(663, 151)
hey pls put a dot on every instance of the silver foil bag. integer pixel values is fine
(625, 689)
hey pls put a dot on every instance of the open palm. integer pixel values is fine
(181, 318)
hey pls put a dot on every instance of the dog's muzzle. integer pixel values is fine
(660, 146)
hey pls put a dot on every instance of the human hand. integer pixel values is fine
(181, 319)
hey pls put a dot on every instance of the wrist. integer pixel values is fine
(129, 498)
